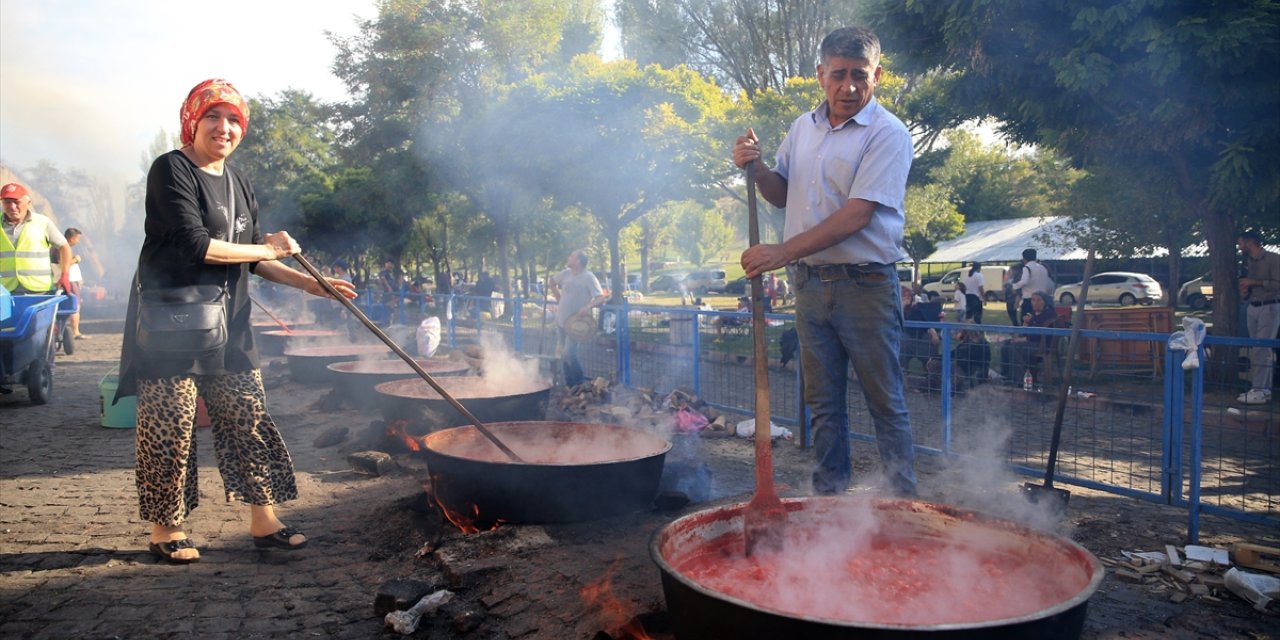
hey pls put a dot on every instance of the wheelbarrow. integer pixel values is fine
(27, 345)
(63, 337)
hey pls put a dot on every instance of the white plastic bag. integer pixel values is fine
(1189, 340)
(747, 429)
(428, 336)
(1253, 587)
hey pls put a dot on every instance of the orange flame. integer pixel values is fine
(618, 619)
(397, 430)
(466, 523)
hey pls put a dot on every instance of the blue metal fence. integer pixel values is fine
(1138, 426)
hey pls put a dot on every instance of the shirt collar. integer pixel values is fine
(862, 117)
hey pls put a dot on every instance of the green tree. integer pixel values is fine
(289, 142)
(1193, 83)
(428, 79)
(618, 140)
(1117, 203)
(749, 45)
(702, 232)
(931, 218)
(990, 182)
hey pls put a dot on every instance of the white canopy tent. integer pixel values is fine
(1004, 240)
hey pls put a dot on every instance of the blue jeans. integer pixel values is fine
(854, 320)
(573, 375)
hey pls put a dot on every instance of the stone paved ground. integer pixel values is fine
(73, 560)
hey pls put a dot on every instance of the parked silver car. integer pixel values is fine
(1120, 287)
(1198, 293)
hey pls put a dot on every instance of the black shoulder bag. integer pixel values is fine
(186, 322)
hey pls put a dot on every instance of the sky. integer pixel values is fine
(87, 84)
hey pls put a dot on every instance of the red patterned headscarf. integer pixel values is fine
(203, 97)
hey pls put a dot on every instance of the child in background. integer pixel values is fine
(959, 307)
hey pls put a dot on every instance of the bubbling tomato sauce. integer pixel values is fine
(884, 579)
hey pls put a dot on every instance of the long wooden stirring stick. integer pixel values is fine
(271, 315)
(359, 315)
(764, 516)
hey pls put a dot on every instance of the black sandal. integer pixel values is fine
(280, 540)
(165, 551)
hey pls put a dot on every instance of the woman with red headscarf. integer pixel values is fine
(202, 229)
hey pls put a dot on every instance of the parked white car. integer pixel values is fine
(993, 279)
(1120, 287)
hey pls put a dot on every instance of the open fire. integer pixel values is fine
(617, 619)
(397, 432)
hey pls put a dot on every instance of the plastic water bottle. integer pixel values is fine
(1027, 381)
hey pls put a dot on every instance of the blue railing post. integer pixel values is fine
(517, 340)
(1197, 437)
(1171, 457)
(697, 353)
(946, 391)
(451, 318)
(399, 302)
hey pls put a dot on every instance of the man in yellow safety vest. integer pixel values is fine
(25, 267)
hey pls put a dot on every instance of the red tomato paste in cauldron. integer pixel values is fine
(859, 569)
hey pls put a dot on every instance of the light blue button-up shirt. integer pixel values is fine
(867, 157)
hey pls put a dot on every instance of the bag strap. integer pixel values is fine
(230, 215)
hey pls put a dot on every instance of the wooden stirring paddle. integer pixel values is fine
(764, 515)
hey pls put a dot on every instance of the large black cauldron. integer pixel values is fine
(571, 472)
(357, 379)
(700, 613)
(415, 402)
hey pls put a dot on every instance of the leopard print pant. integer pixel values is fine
(254, 463)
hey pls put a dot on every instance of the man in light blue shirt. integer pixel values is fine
(842, 176)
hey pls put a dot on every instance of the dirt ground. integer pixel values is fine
(73, 560)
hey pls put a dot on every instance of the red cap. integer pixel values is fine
(12, 191)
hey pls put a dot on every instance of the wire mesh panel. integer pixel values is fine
(1131, 423)
(1239, 433)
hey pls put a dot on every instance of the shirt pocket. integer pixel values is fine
(838, 172)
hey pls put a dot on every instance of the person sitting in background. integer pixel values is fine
(1020, 353)
(919, 343)
(970, 359)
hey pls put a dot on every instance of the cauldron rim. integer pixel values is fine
(304, 332)
(386, 389)
(1096, 571)
(361, 349)
(343, 367)
(448, 431)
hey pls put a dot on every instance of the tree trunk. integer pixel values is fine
(646, 239)
(1175, 275)
(1219, 233)
(615, 266)
(502, 237)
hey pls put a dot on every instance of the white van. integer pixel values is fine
(993, 278)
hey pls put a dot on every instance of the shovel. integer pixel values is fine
(764, 516)
(1036, 493)
(359, 315)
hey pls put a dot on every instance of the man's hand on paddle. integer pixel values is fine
(746, 149)
(762, 257)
